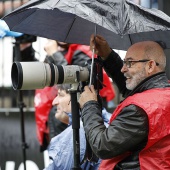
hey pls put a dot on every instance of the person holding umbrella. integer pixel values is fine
(138, 136)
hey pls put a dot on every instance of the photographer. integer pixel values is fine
(138, 136)
(60, 53)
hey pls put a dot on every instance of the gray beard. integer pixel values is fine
(136, 80)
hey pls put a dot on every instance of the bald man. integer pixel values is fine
(138, 136)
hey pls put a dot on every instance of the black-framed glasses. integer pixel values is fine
(129, 63)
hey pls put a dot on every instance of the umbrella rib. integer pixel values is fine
(130, 39)
(70, 28)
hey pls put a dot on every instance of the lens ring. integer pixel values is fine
(17, 75)
(52, 74)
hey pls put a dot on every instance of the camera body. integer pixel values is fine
(37, 75)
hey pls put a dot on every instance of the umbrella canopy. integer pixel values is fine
(121, 22)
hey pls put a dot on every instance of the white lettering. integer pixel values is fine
(10, 165)
(46, 158)
(29, 165)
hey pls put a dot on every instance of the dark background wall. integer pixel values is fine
(11, 143)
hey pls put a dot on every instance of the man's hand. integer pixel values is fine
(51, 47)
(88, 94)
(100, 45)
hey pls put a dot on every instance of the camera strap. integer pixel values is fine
(89, 155)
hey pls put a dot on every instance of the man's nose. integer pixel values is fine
(124, 68)
(55, 101)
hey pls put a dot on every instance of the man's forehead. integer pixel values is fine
(129, 58)
(134, 53)
(132, 56)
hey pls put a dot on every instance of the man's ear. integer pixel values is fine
(151, 66)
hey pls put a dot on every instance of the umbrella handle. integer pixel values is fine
(92, 64)
(91, 73)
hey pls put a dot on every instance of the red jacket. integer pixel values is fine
(156, 154)
(43, 104)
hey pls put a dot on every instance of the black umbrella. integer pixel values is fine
(121, 22)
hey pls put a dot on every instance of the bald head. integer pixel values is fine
(152, 51)
(142, 60)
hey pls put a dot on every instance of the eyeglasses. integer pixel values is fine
(129, 63)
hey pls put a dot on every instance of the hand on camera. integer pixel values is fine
(100, 45)
(88, 94)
